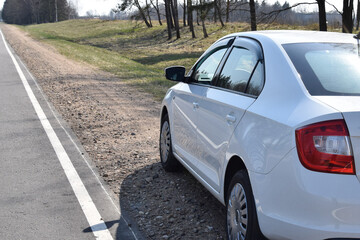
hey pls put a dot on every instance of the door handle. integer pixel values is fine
(230, 119)
(195, 105)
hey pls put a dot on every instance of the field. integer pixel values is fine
(132, 51)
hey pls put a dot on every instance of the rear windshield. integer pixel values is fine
(327, 68)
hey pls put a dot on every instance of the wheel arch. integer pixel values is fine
(235, 164)
(164, 111)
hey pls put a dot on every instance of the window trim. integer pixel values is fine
(238, 43)
(233, 41)
(218, 44)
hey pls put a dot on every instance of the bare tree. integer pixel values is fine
(252, 15)
(174, 7)
(157, 9)
(227, 10)
(270, 17)
(357, 15)
(347, 18)
(56, 11)
(235, 6)
(204, 8)
(184, 13)
(147, 9)
(127, 4)
(190, 18)
(346, 14)
(203, 13)
(322, 15)
(168, 18)
(218, 11)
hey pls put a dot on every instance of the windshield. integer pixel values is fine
(327, 68)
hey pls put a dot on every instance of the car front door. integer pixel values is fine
(186, 101)
(235, 87)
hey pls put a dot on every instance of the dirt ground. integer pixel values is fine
(118, 126)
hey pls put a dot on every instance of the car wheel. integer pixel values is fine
(241, 217)
(168, 161)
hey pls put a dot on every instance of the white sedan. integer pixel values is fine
(269, 123)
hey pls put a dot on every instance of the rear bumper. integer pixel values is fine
(295, 203)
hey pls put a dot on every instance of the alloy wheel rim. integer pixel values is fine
(237, 213)
(165, 141)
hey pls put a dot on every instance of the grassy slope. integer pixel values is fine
(130, 50)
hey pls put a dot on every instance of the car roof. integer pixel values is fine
(296, 36)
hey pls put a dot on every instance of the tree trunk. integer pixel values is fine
(322, 15)
(189, 11)
(358, 15)
(168, 18)
(227, 10)
(172, 17)
(218, 8)
(204, 28)
(203, 13)
(176, 18)
(142, 14)
(56, 11)
(347, 20)
(252, 15)
(197, 17)
(190, 18)
(148, 12)
(215, 12)
(197, 14)
(50, 13)
(184, 14)
(156, 7)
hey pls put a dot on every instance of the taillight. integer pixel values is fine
(325, 147)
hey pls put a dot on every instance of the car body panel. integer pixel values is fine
(296, 203)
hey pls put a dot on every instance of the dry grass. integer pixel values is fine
(132, 51)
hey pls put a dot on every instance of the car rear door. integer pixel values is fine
(237, 84)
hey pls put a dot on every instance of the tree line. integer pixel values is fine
(223, 11)
(25, 12)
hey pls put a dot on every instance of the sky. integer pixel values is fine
(104, 6)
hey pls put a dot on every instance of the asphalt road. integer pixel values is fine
(48, 187)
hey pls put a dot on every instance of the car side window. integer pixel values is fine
(206, 69)
(238, 69)
(256, 83)
(243, 70)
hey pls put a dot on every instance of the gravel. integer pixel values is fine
(118, 126)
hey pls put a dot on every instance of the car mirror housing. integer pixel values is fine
(175, 73)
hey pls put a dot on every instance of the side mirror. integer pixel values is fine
(176, 73)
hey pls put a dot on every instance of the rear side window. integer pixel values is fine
(243, 70)
(327, 68)
(257, 80)
(237, 69)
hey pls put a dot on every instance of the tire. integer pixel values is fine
(168, 160)
(241, 216)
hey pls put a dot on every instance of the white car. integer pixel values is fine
(269, 123)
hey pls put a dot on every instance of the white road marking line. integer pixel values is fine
(80, 152)
(93, 217)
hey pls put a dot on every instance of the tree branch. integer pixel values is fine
(334, 7)
(271, 16)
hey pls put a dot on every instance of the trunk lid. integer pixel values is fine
(349, 106)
